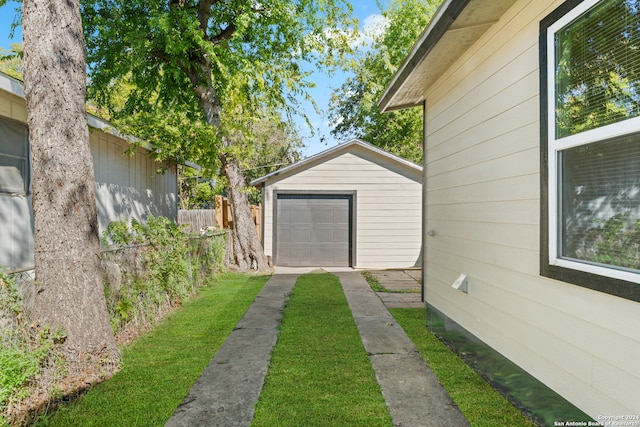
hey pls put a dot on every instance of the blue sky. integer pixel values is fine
(365, 10)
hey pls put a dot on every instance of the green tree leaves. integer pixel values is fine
(11, 61)
(354, 109)
(172, 54)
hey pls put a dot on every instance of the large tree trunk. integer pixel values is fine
(69, 289)
(247, 248)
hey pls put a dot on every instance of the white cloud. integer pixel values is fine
(373, 27)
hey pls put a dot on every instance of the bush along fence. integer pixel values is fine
(148, 269)
(154, 266)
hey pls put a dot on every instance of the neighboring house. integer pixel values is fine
(126, 186)
(352, 205)
(532, 186)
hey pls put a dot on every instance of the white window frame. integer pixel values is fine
(556, 145)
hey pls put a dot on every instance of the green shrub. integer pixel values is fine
(17, 363)
(23, 353)
(10, 300)
(16, 368)
(159, 265)
(155, 265)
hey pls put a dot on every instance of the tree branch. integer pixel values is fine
(225, 34)
(204, 13)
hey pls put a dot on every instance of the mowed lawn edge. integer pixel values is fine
(161, 366)
(320, 373)
(481, 404)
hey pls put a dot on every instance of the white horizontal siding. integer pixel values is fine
(457, 154)
(388, 206)
(126, 187)
(129, 186)
(13, 107)
(521, 236)
(483, 201)
(515, 212)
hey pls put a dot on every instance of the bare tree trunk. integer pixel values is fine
(247, 247)
(248, 250)
(69, 290)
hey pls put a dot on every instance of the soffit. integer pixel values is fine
(456, 26)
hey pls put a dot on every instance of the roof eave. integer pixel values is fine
(437, 27)
(456, 26)
(327, 153)
(16, 87)
(11, 85)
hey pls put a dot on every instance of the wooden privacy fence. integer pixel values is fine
(202, 220)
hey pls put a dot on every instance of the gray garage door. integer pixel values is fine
(313, 230)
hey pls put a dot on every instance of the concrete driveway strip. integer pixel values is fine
(226, 393)
(413, 394)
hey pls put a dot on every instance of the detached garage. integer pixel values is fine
(352, 205)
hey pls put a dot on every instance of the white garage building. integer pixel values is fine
(352, 205)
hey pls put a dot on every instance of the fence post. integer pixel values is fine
(224, 217)
(226, 214)
(219, 218)
(256, 212)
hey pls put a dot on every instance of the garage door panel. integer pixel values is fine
(299, 235)
(322, 215)
(300, 216)
(293, 252)
(285, 235)
(325, 256)
(323, 236)
(313, 230)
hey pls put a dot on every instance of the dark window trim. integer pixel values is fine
(352, 226)
(608, 285)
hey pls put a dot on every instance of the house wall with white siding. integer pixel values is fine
(388, 204)
(130, 186)
(483, 200)
(126, 186)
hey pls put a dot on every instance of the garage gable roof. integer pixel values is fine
(334, 152)
(456, 25)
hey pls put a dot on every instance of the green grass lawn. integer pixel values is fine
(161, 366)
(478, 401)
(320, 374)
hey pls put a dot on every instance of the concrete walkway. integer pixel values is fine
(413, 394)
(226, 393)
(403, 285)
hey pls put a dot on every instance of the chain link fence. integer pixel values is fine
(142, 283)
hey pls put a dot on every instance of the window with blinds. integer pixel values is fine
(14, 158)
(593, 140)
(600, 203)
(597, 68)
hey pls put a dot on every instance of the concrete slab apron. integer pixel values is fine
(412, 391)
(227, 391)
